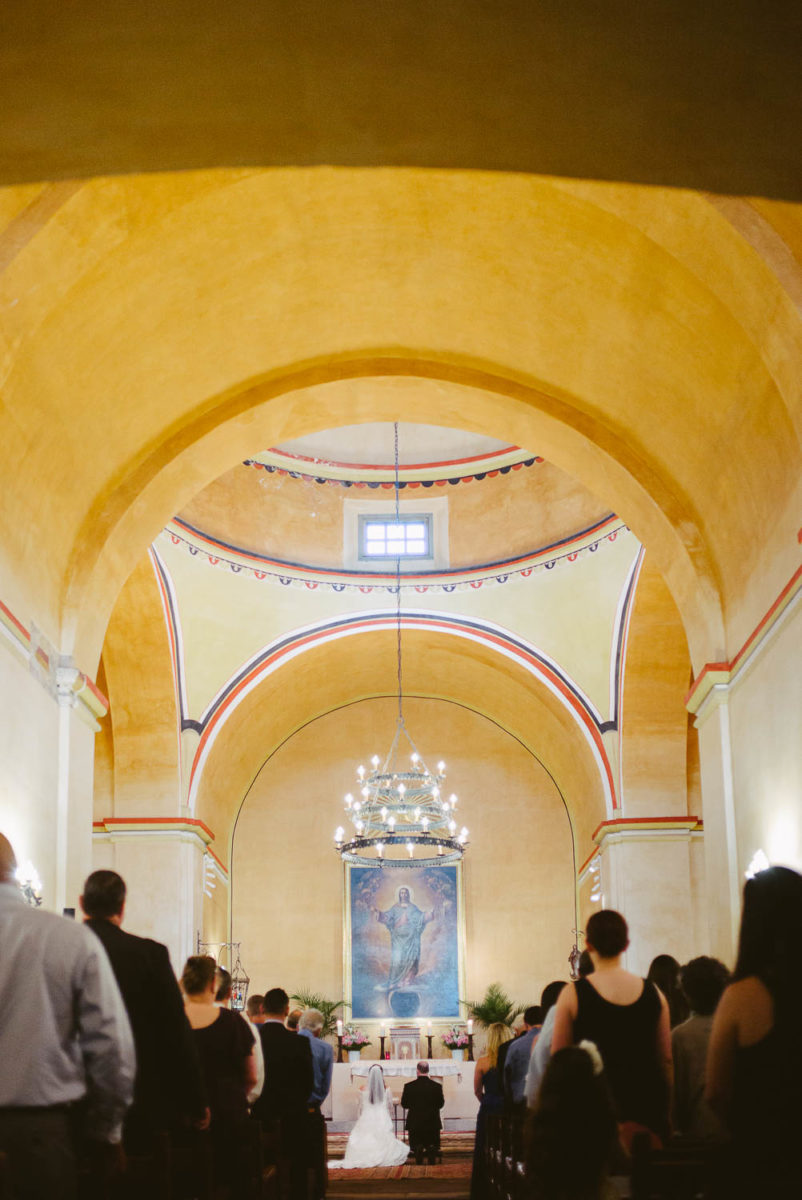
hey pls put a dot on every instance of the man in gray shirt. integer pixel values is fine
(64, 1038)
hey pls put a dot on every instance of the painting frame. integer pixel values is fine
(439, 982)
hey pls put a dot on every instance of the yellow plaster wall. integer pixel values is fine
(287, 882)
(143, 711)
(654, 729)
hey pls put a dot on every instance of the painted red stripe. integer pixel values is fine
(17, 624)
(746, 647)
(425, 466)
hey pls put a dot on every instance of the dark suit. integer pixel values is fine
(283, 1106)
(423, 1099)
(168, 1089)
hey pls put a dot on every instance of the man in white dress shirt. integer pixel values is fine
(64, 1039)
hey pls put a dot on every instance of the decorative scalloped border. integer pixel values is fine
(291, 574)
(418, 475)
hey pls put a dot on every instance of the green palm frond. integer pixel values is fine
(494, 1006)
(306, 998)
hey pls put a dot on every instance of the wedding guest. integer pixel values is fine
(541, 1051)
(168, 1089)
(65, 1040)
(702, 981)
(255, 1009)
(223, 997)
(627, 1018)
(292, 1019)
(754, 1062)
(289, 1079)
(573, 1133)
(489, 1093)
(664, 973)
(310, 1027)
(516, 1062)
(225, 1047)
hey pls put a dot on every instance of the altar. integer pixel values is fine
(341, 1107)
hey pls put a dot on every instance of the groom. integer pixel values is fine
(423, 1099)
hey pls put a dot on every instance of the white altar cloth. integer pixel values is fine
(438, 1067)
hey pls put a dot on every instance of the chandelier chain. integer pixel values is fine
(398, 577)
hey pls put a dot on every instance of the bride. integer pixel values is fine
(371, 1142)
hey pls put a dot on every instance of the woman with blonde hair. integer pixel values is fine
(487, 1086)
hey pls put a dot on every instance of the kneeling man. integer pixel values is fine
(423, 1099)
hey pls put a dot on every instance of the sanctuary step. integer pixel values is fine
(449, 1180)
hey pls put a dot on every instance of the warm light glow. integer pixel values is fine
(349, 800)
(759, 862)
(375, 760)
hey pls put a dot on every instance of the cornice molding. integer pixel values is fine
(191, 829)
(58, 675)
(716, 680)
(640, 828)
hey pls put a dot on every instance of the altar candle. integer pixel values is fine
(470, 1027)
(381, 1029)
(339, 1029)
(429, 1027)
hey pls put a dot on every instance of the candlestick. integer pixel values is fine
(429, 1045)
(381, 1043)
(339, 1047)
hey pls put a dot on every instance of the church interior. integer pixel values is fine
(239, 246)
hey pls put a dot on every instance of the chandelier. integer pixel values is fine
(400, 815)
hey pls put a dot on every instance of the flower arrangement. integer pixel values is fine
(455, 1039)
(353, 1038)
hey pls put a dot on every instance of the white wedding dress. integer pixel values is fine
(371, 1142)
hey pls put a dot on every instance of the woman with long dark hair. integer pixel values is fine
(664, 973)
(754, 1063)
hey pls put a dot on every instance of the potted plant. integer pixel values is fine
(306, 998)
(495, 1006)
(353, 1041)
(455, 1040)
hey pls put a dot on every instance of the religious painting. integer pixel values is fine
(403, 942)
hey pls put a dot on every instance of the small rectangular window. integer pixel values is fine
(407, 537)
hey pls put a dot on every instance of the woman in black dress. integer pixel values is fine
(225, 1049)
(627, 1018)
(754, 1060)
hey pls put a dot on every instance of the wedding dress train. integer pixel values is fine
(371, 1142)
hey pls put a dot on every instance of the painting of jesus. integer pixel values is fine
(404, 942)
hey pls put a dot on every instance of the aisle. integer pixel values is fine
(447, 1181)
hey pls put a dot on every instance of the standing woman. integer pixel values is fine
(754, 1060)
(487, 1085)
(225, 1048)
(627, 1018)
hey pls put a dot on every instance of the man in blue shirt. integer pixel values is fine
(310, 1026)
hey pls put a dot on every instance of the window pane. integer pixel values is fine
(416, 529)
(377, 549)
(375, 532)
(415, 547)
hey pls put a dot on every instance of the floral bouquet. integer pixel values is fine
(354, 1039)
(455, 1039)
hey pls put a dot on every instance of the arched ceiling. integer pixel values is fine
(686, 94)
(438, 666)
(636, 338)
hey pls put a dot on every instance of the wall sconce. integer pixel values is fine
(30, 884)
